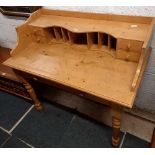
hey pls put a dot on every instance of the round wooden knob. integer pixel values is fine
(34, 78)
(127, 56)
(128, 47)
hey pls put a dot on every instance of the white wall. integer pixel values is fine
(146, 94)
(8, 35)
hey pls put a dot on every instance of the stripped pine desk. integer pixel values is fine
(98, 56)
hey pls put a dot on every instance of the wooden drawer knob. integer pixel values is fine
(81, 94)
(128, 47)
(34, 78)
(3, 74)
(127, 56)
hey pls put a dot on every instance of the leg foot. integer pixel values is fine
(38, 107)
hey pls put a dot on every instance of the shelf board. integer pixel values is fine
(116, 28)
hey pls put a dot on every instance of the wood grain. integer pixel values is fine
(116, 28)
(93, 72)
(100, 56)
(89, 64)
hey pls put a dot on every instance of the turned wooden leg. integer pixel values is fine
(116, 124)
(32, 94)
(153, 139)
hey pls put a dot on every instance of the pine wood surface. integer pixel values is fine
(48, 46)
(116, 28)
(94, 72)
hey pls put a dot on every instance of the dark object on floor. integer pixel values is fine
(8, 80)
(134, 142)
(153, 139)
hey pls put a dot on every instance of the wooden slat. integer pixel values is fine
(57, 33)
(99, 16)
(140, 69)
(70, 35)
(149, 34)
(99, 40)
(52, 33)
(89, 40)
(109, 42)
(64, 34)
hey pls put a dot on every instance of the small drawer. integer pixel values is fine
(129, 45)
(129, 56)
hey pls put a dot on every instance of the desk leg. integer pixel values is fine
(32, 94)
(116, 124)
(152, 145)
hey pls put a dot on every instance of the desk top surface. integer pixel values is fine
(94, 72)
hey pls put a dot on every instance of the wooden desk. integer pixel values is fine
(101, 57)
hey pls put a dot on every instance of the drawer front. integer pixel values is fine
(129, 45)
(129, 56)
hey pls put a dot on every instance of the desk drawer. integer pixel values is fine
(129, 56)
(129, 45)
